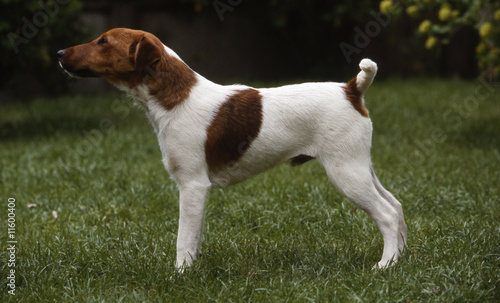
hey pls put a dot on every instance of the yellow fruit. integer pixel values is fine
(412, 11)
(431, 42)
(497, 14)
(444, 13)
(480, 48)
(485, 29)
(446, 5)
(425, 26)
(386, 6)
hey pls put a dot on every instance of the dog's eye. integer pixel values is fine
(102, 41)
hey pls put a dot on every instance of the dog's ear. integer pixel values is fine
(145, 52)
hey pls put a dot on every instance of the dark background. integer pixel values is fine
(255, 42)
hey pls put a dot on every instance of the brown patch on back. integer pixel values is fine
(235, 126)
(354, 96)
(300, 159)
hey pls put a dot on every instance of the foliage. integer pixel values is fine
(284, 236)
(31, 33)
(440, 19)
(313, 28)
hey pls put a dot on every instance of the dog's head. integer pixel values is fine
(117, 55)
(128, 58)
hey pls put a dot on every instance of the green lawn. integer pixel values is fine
(104, 226)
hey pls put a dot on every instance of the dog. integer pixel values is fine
(212, 135)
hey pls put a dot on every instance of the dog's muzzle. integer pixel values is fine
(69, 68)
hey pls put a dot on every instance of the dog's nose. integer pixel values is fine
(61, 53)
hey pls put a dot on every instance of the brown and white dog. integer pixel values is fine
(214, 136)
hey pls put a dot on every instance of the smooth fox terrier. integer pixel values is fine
(212, 135)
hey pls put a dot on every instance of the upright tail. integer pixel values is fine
(355, 88)
(365, 77)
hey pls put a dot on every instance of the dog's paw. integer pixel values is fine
(384, 264)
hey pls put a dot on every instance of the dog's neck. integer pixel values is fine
(144, 96)
(139, 93)
(168, 82)
(160, 111)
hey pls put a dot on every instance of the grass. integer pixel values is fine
(104, 226)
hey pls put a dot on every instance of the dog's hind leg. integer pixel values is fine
(396, 204)
(353, 178)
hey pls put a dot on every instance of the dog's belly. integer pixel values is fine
(268, 150)
(243, 169)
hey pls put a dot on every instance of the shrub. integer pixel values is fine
(441, 19)
(32, 32)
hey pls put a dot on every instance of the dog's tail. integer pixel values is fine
(355, 88)
(365, 77)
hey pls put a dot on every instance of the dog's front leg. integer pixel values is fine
(193, 196)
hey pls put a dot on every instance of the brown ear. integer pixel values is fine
(147, 53)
